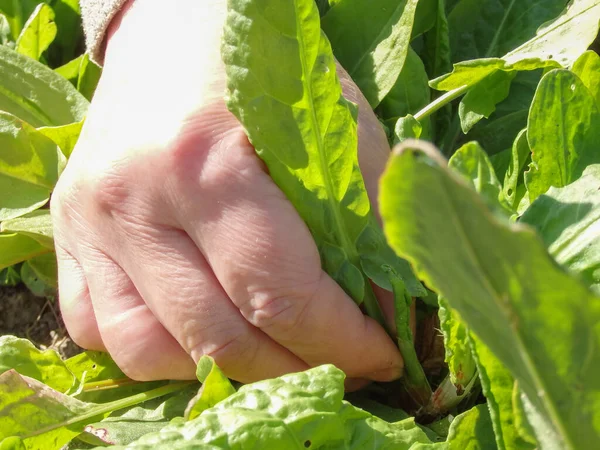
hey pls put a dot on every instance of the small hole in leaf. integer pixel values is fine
(509, 192)
(307, 444)
(94, 366)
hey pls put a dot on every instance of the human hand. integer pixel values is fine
(173, 242)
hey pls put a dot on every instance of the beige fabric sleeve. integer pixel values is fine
(96, 16)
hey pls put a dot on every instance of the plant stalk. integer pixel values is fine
(440, 102)
(114, 406)
(415, 380)
(446, 396)
(109, 384)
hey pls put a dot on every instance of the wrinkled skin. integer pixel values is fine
(173, 242)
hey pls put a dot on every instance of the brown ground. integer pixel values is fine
(36, 318)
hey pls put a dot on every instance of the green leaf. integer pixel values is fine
(486, 28)
(563, 132)
(501, 161)
(89, 76)
(65, 136)
(305, 131)
(411, 91)
(36, 224)
(474, 165)
(16, 248)
(324, 6)
(45, 366)
(498, 133)
(407, 128)
(30, 165)
(498, 387)
(5, 34)
(457, 347)
(504, 285)
(26, 405)
(46, 419)
(472, 430)
(482, 99)
(9, 276)
(103, 380)
(90, 366)
(128, 425)
(17, 12)
(520, 420)
(381, 33)
(45, 268)
(564, 39)
(520, 155)
(469, 73)
(557, 43)
(70, 32)
(587, 68)
(568, 220)
(425, 16)
(36, 94)
(296, 411)
(437, 55)
(83, 73)
(38, 33)
(70, 70)
(362, 400)
(12, 443)
(36, 285)
(215, 387)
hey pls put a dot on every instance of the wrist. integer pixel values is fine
(161, 66)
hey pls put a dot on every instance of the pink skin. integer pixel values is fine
(173, 242)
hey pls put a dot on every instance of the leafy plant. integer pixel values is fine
(41, 114)
(500, 241)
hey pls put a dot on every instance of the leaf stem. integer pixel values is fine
(114, 406)
(446, 397)
(415, 380)
(440, 102)
(108, 384)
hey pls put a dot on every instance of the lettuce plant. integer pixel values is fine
(491, 224)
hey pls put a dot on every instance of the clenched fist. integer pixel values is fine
(174, 242)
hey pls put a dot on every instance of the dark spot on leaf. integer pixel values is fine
(509, 192)
(307, 444)
(94, 366)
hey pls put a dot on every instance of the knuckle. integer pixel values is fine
(110, 192)
(236, 350)
(274, 312)
(184, 162)
(199, 159)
